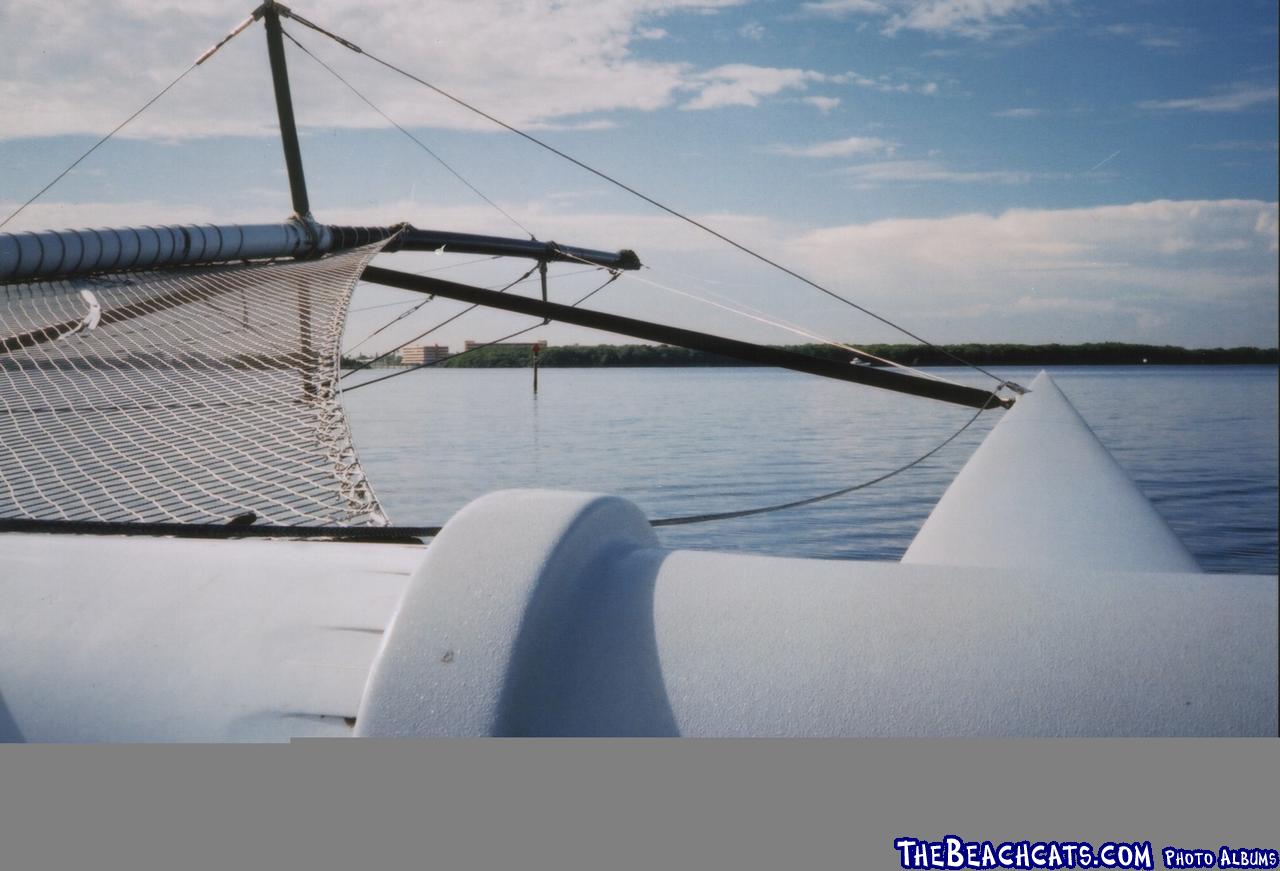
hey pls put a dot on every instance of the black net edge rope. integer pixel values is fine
(387, 534)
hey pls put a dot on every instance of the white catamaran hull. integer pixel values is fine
(1044, 596)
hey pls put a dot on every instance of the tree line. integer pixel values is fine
(982, 354)
(362, 359)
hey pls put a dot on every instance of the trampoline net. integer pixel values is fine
(189, 395)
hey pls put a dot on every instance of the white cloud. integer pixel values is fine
(883, 83)
(80, 66)
(1154, 36)
(974, 19)
(1161, 42)
(752, 30)
(1018, 112)
(745, 84)
(1236, 99)
(822, 104)
(86, 65)
(977, 19)
(1024, 275)
(1239, 145)
(1185, 272)
(929, 171)
(842, 8)
(837, 148)
(44, 214)
(1268, 227)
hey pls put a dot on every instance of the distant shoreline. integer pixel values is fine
(1089, 354)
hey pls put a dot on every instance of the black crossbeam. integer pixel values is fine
(738, 350)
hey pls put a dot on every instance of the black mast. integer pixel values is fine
(284, 108)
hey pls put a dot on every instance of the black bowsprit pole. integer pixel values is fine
(747, 352)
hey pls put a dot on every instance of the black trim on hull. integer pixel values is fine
(386, 534)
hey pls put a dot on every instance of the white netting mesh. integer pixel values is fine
(191, 395)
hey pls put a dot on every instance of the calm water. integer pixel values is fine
(1200, 441)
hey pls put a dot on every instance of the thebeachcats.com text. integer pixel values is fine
(954, 852)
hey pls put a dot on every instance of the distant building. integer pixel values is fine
(528, 346)
(417, 355)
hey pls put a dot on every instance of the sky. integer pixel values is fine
(975, 170)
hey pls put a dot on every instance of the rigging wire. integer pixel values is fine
(470, 350)
(367, 363)
(369, 308)
(763, 318)
(458, 265)
(748, 512)
(758, 315)
(418, 305)
(619, 184)
(145, 106)
(397, 319)
(613, 276)
(791, 328)
(785, 324)
(415, 139)
(208, 53)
